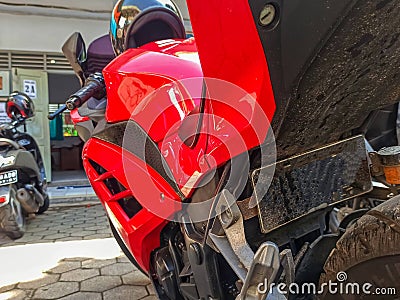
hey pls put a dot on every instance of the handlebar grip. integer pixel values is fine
(94, 87)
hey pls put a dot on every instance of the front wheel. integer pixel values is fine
(12, 216)
(367, 256)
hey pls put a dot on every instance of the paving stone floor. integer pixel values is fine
(69, 253)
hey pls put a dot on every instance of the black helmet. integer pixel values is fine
(19, 105)
(138, 22)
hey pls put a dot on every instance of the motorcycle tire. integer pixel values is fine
(12, 216)
(368, 253)
(45, 205)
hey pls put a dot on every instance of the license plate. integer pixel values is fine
(8, 177)
(324, 176)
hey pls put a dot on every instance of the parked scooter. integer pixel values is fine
(171, 140)
(22, 174)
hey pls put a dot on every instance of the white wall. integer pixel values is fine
(44, 25)
(185, 13)
(71, 4)
(47, 34)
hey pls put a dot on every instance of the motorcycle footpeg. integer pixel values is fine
(262, 273)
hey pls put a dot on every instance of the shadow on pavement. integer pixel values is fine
(68, 253)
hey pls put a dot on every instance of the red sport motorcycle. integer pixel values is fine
(259, 159)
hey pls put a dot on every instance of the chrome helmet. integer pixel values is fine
(138, 22)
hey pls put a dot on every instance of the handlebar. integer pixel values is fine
(94, 87)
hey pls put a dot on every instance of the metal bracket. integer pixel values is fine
(233, 244)
(376, 164)
(232, 223)
(252, 269)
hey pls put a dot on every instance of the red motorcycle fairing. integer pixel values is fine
(146, 87)
(140, 229)
(151, 91)
(136, 73)
(139, 87)
(230, 48)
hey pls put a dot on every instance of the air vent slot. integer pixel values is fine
(27, 61)
(130, 206)
(57, 62)
(114, 186)
(99, 169)
(119, 193)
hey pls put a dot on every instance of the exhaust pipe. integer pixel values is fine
(28, 202)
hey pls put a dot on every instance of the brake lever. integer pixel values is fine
(57, 112)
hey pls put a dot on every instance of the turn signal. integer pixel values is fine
(390, 158)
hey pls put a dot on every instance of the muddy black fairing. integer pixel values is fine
(331, 64)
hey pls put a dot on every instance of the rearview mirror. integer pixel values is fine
(74, 50)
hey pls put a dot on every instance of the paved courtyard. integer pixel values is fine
(69, 253)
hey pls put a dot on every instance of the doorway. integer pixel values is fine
(35, 84)
(66, 146)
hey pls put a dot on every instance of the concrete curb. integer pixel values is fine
(68, 202)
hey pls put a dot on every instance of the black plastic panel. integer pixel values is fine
(380, 127)
(331, 64)
(322, 177)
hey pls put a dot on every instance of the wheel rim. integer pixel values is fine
(16, 209)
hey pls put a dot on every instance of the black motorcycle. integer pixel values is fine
(22, 174)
